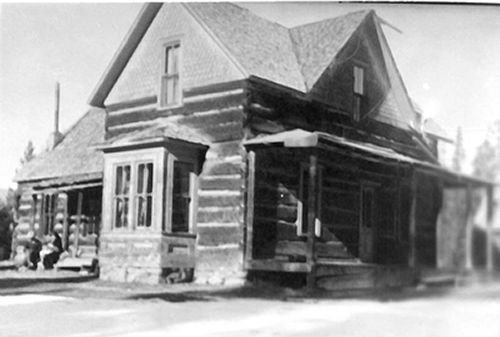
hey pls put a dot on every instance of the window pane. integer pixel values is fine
(149, 178)
(172, 60)
(126, 182)
(140, 178)
(119, 180)
(167, 59)
(170, 94)
(357, 108)
(181, 198)
(358, 80)
(141, 212)
(149, 209)
(118, 212)
(125, 212)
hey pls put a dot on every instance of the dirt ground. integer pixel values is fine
(97, 308)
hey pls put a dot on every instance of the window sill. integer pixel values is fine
(162, 108)
(179, 235)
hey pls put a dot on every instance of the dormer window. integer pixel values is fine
(359, 91)
(170, 94)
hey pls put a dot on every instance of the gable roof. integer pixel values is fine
(74, 156)
(263, 48)
(317, 43)
(293, 57)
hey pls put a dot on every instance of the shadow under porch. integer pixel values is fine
(335, 218)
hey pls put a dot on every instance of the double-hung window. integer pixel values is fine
(133, 195)
(358, 90)
(170, 83)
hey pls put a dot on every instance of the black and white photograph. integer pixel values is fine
(268, 169)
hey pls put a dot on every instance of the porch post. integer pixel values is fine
(468, 228)
(412, 252)
(311, 216)
(250, 206)
(489, 228)
(78, 221)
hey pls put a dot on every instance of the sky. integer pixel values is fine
(448, 56)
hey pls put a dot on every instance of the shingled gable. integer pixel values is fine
(74, 157)
(317, 43)
(257, 47)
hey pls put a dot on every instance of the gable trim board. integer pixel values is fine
(120, 59)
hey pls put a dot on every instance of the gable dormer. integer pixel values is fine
(347, 63)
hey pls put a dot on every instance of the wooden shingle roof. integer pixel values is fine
(74, 156)
(316, 44)
(163, 130)
(293, 57)
(263, 48)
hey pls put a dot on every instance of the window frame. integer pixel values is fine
(164, 75)
(133, 196)
(144, 194)
(358, 95)
(114, 197)
(193, 188)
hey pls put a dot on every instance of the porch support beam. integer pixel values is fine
(468, 228)
(412, 252)
(78, 221)
(311, 217)
(489, 228)
(250, 207)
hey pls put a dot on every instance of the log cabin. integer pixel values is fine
(224, 146)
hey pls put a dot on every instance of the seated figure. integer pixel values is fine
(55, 248)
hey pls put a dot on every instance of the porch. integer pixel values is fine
(74, 212)
(346, 214)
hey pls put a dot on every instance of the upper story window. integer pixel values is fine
(358, 90)
(170, 82)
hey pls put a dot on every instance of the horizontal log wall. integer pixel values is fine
(273, 109)
(216, 112)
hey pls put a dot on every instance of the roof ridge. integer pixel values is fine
(366, 11)
(296, 54)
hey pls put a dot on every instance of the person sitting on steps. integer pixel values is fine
(56, 249)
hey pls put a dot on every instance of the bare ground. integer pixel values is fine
(100, 308)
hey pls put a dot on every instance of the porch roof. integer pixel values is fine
(299, 138)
